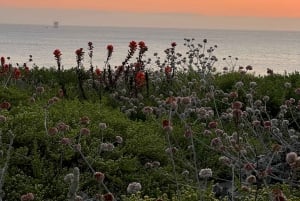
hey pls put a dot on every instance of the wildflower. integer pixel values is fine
(216, 142)
(287, 85)
(5, 105)
(291, 157)
(237, 105)
(147, 110)
(85, 131)
(248, 67)
(253, 84)
(219, 132)
(77, 147)
(84, 120)
(212, 124)
(17, 73)
(142, 45)
(188, 133)
(78, 198)
(60, 93)
(233, 94)
(53, 100)
(102, 126)
(239, 84)
(2, 61)
(205, 173)
(148, 165)
(52, 131)
(134, 187)
(251, 179)
(90, 44)
(2, 119)
(237, 113)
(27, 197)
(225, 160)
(98, 72)
(186, 100)
(267, 124)
(140, 78)
(278, 195)
(270, 71)
(119, 139)
(276, 147)
(62, 127)
(255, 123)
(185, 173)
(155, 163)
(99, 176)
(297, 91)
(266, 98)
(40, 90)
(249, 166)
(6, 68)
(173, 44)
(168, 70)
(79, 55)
(207, 132)
(107, 146)
(171, 150)
(66, 141)
(107, 197)
(32, 99)
(166, 124)
(110, 49)
(57, 53)
(132, 46)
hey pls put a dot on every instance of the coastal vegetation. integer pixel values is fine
(173, 129)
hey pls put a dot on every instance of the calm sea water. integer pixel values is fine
(279, 51)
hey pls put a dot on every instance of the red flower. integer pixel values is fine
(142, 45)
(249, 166)
(140, 79)
(167, 125)
(57, 53)
(5, 105)
(132, 45)
(2, 61)
(278, 195)
(173, 44)
(168, 70)
(212, 124)
(79, 52)
(17, 73)
(6, 68)
(267, 124)
(107, 197)
(99, 176)
(98, 71)
(237, 105)
(110, 49)
(27, 71)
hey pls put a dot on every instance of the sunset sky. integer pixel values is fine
(230, 14)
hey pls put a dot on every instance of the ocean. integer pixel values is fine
(277, 50)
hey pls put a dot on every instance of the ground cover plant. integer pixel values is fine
(169, 128)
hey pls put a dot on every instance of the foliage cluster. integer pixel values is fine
(172, 129)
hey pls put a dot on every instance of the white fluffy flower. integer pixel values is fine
(205, 173)
(134, 187)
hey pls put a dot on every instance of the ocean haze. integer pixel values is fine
(45, 16)
(277, 50)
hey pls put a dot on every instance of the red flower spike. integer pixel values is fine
(2, 61)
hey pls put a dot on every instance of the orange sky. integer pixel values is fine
(256, 8)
